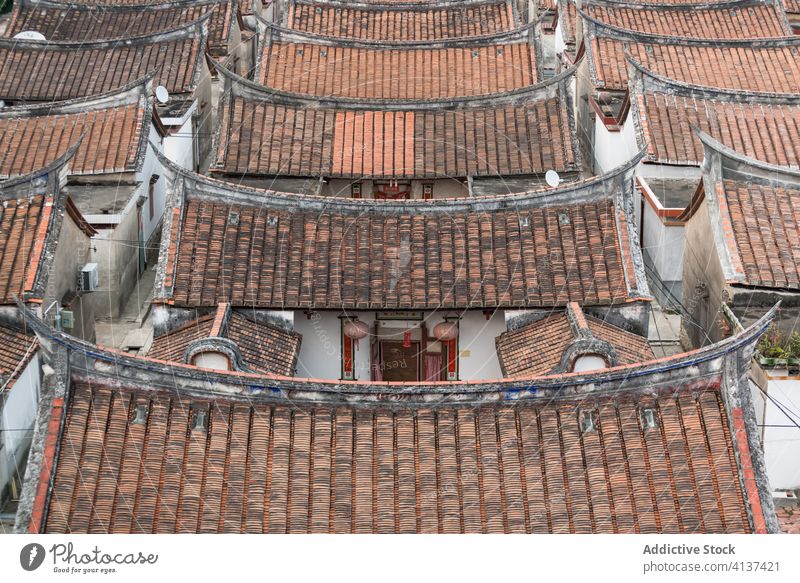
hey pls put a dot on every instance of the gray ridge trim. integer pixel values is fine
(125, 95)
(239, 86)
(596, 188)
(56, 165)
(152, 375)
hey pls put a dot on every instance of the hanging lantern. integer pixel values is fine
(407, 339)
(356, 330)
(445, 331)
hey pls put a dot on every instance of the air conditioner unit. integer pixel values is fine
(89, 278)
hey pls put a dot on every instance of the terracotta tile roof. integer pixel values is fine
(792, 6)
(92, 22)
(172, 345)
(767, 128)
(258, 253)
(756, 19)
(16, 349)
(789, 518)
(375, 73)
(765, 66)
(401, 24)
(538, 348)
(48, 71)
(529, 467)
(24, 223)
(765, 221)
(265, 348)
(263, 134)
(113, 129)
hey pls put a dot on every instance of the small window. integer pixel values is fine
(355, 190)
(233, 219)
(427, 191)
(140, 415)
(199, 423)
(272, 220)
(524, 221)
(563, 219)
(649, 419)
(588, 421)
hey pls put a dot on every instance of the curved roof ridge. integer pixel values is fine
(710, 143)
(708, 92)
(598, 185)
(56, 164)
(241, 87)
(259, 386)
(183, 31)
(292, 35)
(114, 97)
(139, 87)
(627, 34)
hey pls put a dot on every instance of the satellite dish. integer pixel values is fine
(162, 94)
(552, 178)
(30, 35)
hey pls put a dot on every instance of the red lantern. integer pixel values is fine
(356, 330)
(407, 339)
(445, 331)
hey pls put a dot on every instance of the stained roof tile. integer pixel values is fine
(379, 73)
(426, 23)
(341, 469)
(92, 21)
(47, 71)
(113, 124)
(261, 134)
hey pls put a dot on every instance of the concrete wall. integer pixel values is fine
(663, 248)
(71, 255)
(18, 411)
(703, 282)
(780, 438)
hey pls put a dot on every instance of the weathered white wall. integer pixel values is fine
(781, 444)
(663, 244)
(613, 149)
(477, 353)
(321, 349)
(19, 412)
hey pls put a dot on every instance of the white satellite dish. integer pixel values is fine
(552, 178)
(162, 94)
(30, 35)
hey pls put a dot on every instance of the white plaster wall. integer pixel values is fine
(321, 349)
(151, 166)
(477, 353)
(613, 149)
(19, 412)
(782, 444)
(664, 245)
(179, 146)
(560, 45)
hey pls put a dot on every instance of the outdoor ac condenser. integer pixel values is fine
(89, 278)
